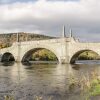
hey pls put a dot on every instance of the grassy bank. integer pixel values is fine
(88, 87)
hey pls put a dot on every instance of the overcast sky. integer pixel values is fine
(48, 17)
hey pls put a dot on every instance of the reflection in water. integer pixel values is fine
(26, 63)
(9, 63)
(76, 66)
(26, 82)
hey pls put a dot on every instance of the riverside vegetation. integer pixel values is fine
(90, 87)
(88, 55)
(43, 55)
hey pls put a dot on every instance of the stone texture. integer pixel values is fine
(63, 48)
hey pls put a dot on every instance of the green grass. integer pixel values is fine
(95, 88)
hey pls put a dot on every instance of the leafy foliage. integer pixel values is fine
(88, 55)
(6, 40)
(44, 55)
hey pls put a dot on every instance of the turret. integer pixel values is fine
(63, 32)
(17, 37)
(70, 35)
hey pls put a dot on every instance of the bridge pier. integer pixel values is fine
(17, 60)
(64, 60)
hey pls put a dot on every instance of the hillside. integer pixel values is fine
(8, 39)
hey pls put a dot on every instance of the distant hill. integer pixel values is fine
(8, 39)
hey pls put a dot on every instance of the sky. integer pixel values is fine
(48, 17)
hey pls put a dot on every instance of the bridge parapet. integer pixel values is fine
(57, 40)
(42, 41)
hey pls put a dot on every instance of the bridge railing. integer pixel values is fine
(42, 41)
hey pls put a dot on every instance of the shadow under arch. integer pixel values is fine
(76, 55)
(7, 57)
(29, 53)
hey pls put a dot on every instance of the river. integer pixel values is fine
(45, 80)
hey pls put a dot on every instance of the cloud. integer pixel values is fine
(47, 17)
(13, 1)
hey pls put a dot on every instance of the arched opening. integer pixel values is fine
(39, 55)
(84, 55)
(7, 57)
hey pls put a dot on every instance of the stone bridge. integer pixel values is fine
(66, 49)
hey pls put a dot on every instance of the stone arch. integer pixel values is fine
(76, 54)
(28, 53)
(7, 56)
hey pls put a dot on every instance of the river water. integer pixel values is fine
(45, 80)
